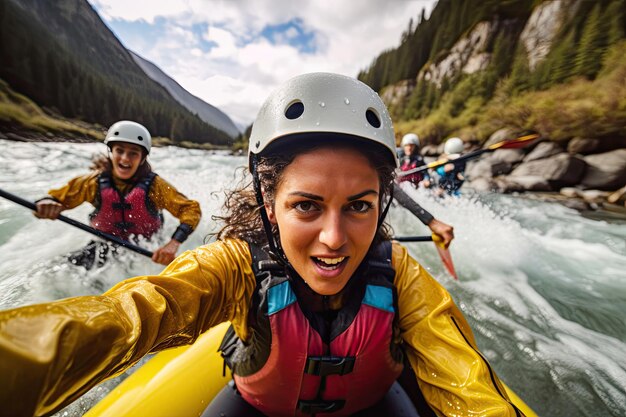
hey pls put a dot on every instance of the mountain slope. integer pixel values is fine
(62, 56)
(210, 114)
(475, 66)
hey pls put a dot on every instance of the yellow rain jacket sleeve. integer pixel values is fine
(454, 377)
(52, 353)
(162, 194)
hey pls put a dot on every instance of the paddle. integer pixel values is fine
(505, 144)
(443, 252)
(80, 225)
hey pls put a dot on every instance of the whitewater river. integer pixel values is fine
(543, 288)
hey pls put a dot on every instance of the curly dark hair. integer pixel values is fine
(243, 220)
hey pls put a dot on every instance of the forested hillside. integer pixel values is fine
(63, 57)
(474, 66)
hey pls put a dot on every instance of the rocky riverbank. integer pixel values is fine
(585, 174)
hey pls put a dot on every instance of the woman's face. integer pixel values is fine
(326, 208)
(409, 149)
(125, 158)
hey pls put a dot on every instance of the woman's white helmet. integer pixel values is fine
(410, 139)
(129, 132)
(453, 146)
(323, 103)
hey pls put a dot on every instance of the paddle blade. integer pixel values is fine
(516, 143)
(445, 256)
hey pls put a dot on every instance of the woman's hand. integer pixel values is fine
(48, 209)
(445, 231)
(166, 254)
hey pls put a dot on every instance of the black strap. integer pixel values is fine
(328, 365)
(104, 180)
(146, 181)
(320, 406)
(122, 205)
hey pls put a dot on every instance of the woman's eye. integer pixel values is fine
(361, 206)
(304, 206)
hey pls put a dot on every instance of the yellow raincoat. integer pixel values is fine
(52, 353)
(162, 194)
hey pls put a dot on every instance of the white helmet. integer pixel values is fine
(453, 146)
(410, 139)
(129, 132)
(323, 103)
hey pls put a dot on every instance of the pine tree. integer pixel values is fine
(614, 14)
(563, 58)
(591, 49)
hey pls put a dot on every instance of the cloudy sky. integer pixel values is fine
(232, 53)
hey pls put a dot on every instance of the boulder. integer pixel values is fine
(570, 192)
(559, 171)
(500, 135)
(501, 168)
(512, 156)
(543, 150)
(605, 171)
(582, 145)
(594, 196)
(587, 146)
(479, 168)
(524, 183)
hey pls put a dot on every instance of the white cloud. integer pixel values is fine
(233, 68)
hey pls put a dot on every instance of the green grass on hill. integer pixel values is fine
(578, 108)
(20, 114)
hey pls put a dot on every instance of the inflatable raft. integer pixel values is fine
(182, 381)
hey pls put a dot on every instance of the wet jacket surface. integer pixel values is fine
(162, 194)
(52, 353)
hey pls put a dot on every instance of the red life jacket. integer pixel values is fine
(132, 214)
(288, 369)
(410, 162)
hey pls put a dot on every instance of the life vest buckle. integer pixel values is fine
(320, 406)
(124, 225)
(121, 205)
(328, 365)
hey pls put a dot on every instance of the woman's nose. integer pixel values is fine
(333, 233)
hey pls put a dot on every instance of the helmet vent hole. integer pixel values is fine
(117, 133)
(372, 118)
(294, 110)
(139, 137)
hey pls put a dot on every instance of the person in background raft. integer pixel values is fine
(451, 175)
(326, 311)
(411, 158)
(128, 196)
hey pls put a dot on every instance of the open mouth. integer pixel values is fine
(330, 264)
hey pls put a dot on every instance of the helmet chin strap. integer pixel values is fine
(271, 240)
(383, 215)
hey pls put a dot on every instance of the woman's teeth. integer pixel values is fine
(329, 263)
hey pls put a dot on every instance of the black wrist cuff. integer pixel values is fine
(182, 232)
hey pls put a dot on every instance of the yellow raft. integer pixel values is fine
(182, 382)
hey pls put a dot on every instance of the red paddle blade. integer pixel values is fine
(516, 143)
(445, 256)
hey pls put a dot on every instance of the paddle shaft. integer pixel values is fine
(412, 238)
(469, 155)
(79, 225)
(513, 143)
